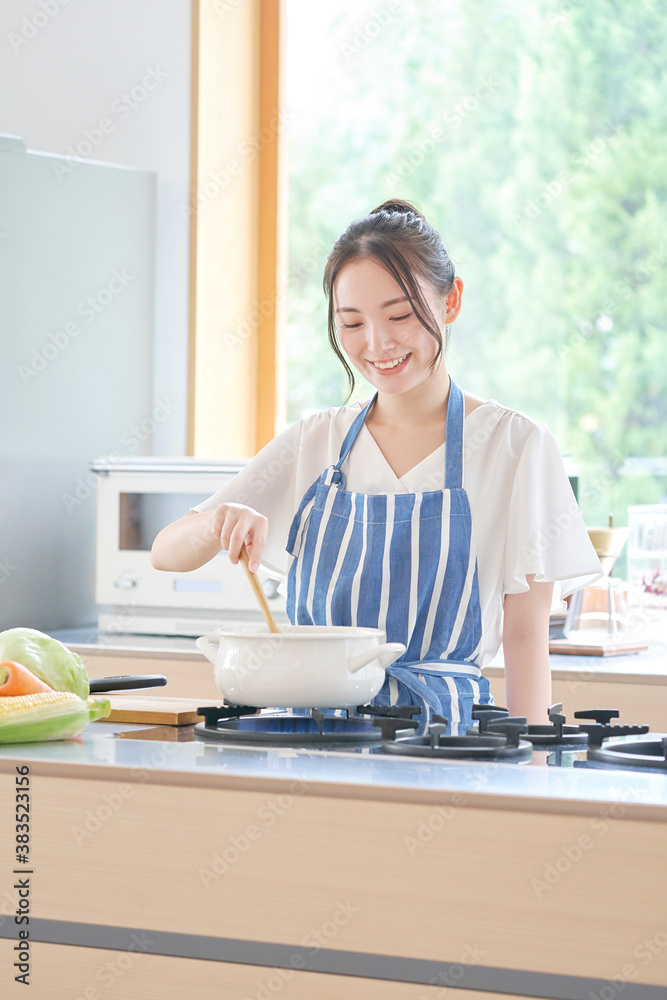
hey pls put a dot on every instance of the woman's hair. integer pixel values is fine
(399, 238)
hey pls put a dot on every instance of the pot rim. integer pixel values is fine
(318, 632)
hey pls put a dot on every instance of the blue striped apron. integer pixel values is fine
(402, 562)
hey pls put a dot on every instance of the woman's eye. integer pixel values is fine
(397, 319)
(350, 326)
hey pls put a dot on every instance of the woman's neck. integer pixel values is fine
(423, 405)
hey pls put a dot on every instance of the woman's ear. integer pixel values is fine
(453, 301)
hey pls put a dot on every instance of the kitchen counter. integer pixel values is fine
(635, 684)
(166, 869)
(114, 751)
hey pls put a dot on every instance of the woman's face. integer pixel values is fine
(378, 329)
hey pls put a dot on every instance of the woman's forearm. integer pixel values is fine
(528, 678)
(526, 651)
(186, 544)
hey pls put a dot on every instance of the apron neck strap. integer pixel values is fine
(453, 443)
(353, 432)
(454, 438)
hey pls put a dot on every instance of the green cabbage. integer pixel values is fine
(47, 658)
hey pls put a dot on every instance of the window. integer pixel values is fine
(533, 136)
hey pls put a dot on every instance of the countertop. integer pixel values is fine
(121, 752)
(648, 667)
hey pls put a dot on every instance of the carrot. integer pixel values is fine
(15, 679)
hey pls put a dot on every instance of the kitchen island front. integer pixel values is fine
(162, 868)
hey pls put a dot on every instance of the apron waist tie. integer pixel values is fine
(422, 692)
(447, 668)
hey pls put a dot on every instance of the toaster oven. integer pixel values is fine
(136, 498)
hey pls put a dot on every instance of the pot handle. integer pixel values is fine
(386, 654)
(209, 645)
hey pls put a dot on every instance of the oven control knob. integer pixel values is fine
(270, 588)
(124, 583)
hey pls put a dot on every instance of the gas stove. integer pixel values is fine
(494, 735)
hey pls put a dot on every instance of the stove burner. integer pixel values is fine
(651, 753)
(500, 743)
(246, 724)
(556, 734)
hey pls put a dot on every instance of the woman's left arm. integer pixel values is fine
(526, 651)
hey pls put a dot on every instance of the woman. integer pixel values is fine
(436, 515)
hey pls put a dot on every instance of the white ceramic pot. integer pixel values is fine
(308, 666)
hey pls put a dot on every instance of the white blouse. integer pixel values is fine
(524, 514)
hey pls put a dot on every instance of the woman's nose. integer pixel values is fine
(380, 337)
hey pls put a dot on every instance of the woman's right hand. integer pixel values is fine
(236, 525)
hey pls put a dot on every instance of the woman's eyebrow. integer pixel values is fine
(385, 305)
(393, 302)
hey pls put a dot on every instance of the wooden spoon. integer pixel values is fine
(259, 593)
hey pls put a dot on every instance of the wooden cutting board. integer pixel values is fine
(609, 649)
(156, 711)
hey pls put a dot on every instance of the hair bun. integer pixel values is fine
(399, 207)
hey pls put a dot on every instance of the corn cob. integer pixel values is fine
(54, 715)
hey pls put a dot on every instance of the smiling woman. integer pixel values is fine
(439, 517)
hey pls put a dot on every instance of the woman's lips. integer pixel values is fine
(394, 369)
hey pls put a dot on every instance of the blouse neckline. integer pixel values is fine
(404, 480)
(436, 457)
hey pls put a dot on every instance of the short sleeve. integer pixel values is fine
(268, 484)
(546, 535)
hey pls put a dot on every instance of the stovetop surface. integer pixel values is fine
(559, 756)
(545, 756)
(595, 737)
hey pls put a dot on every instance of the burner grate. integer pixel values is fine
(601, 728)
(500, 741)
(247, 724)
(556, 733)
(651, 753)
